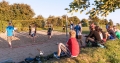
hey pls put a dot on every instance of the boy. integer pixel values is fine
(71, 47)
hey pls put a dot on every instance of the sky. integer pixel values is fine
(56, 8)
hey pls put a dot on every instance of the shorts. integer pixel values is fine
(65, 51)
(49, 33)
(33, 34)
(78, 36)
(9, 38)
(111, 37)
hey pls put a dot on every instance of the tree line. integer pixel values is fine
(22, 15)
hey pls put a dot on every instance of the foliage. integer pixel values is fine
(84, 22)
(99, 7)
(110, 22)
(15, 11)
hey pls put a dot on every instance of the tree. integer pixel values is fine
(106, 21)
(117, 24)
(22, 12)
(110, 22)
(99, 7)
(15, 11)
(74, 19)
(96, 20)
(84, 22)
(40, 21)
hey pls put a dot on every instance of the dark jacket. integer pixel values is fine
(112, 33)
(95, 35)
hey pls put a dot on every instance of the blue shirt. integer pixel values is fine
(77, 29)
(10, 30)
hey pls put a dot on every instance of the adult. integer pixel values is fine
(78, 29)
(92, 25)
(94, 37)
(72, 45)
(10, 33)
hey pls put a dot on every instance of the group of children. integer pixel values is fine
(10, 32)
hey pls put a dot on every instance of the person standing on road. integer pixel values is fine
(78, 29)
(9, 33)
(49, 32)
(32, 31)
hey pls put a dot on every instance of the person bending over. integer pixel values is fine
(72, 46)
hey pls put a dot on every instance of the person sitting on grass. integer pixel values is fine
(117, 32)
(103, 36)
(71, 49)
(110, 34)
(95, 37)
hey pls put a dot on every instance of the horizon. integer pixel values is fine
(56, 8)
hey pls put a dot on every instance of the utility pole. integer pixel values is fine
(66, 24)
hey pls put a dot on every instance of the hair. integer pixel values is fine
(114, 26)
(110, 27)
(79, 23)
(10, 23)
(72, 33)
(33, 25)
(97, 28)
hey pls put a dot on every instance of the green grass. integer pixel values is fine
(110, 54)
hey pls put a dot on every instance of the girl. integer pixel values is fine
(32, 31)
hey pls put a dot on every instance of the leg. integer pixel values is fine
(91, 39)
(33, 38)
(9, 39)
(80, 37)
(60, 46)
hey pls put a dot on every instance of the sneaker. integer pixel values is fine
(100, 45)
(56, 56)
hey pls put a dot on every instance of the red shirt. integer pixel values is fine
(73, 46)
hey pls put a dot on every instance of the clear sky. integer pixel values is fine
(56, 8)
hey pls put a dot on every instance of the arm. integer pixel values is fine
(91, 33)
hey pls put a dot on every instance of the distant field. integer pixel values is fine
(85, 30)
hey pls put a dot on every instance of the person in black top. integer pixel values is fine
(32, 31)
(110, 34)
(94, 36)
(49, 31)
(63, 28)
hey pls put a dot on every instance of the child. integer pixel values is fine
(32, 31)
(71, 49)
(9, 33)
(49, 31)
